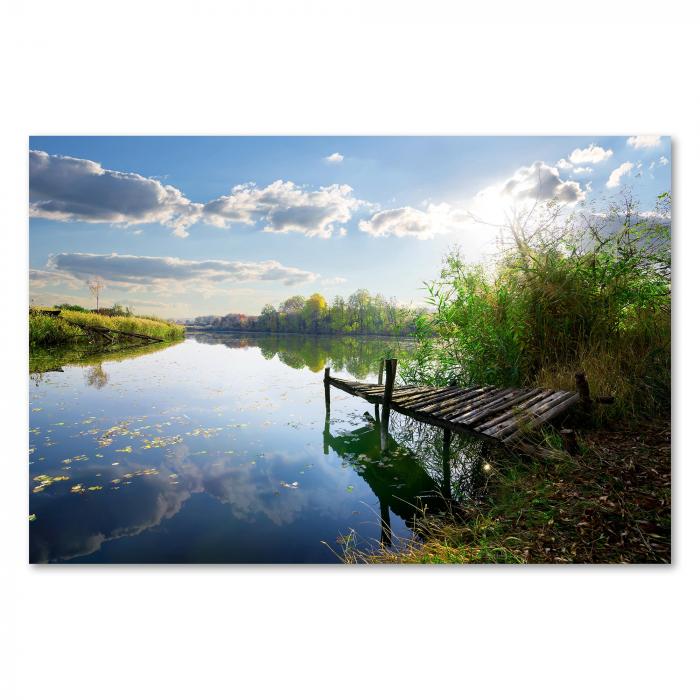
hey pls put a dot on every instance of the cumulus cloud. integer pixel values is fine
(582, 171)
(417, 223)
(143, 271)
(619, 172)
(663, 160)
(638, 142)
(334, 158)
(591, 154)
(540, 181)
(284, 206)
(74, 189)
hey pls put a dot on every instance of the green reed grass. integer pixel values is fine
(571, 294)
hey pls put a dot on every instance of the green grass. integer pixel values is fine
(68, 328)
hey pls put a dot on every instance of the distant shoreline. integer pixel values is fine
(235, 331)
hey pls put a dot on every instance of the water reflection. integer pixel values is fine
(217, 449)
(358, 356)
(410, 467)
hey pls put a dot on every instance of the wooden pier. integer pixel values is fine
(503, 415)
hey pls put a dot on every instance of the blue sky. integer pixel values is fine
(185, 226)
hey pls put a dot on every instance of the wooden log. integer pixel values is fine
(102, 329)
(380, 377)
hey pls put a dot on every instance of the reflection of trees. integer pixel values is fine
(414, 473)
(358, 356)
(395, 474)
(96, 376)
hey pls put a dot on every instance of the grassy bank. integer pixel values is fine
(611, 504)
(69, 327)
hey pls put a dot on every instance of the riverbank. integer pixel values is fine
(610, 504)
(72, 328)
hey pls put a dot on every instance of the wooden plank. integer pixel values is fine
(531, 413)
(513, 411)
(480, 401)
(556, 410)
(438, 403)
(479, 419)
(431, 397)
(457, 403)
(472, 403)
(404, 399)
(496, 401)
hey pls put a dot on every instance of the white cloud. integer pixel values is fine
(407, 221)
(644, 141)
(663, 160)
(332, 281)
(38, 279)
(564, 164)
(334, 158)
(73, 189)
(582, 171)
(136, 271)
(619, 172)
(591, 154)
(540, 181)
(285, 206)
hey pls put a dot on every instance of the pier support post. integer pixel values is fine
(388, 390)
(446, 472)
(568, 437)
(327, 388)
(380, 376)
(584, 390)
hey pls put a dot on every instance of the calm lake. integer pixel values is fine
(217, 449)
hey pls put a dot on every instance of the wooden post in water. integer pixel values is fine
(380, 377)
(388, 390)
(327, 388)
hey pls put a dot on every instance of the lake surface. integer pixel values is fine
(217, 450)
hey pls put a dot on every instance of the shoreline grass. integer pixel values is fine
(68, 328)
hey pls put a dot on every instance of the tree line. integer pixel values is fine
(360, 314)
